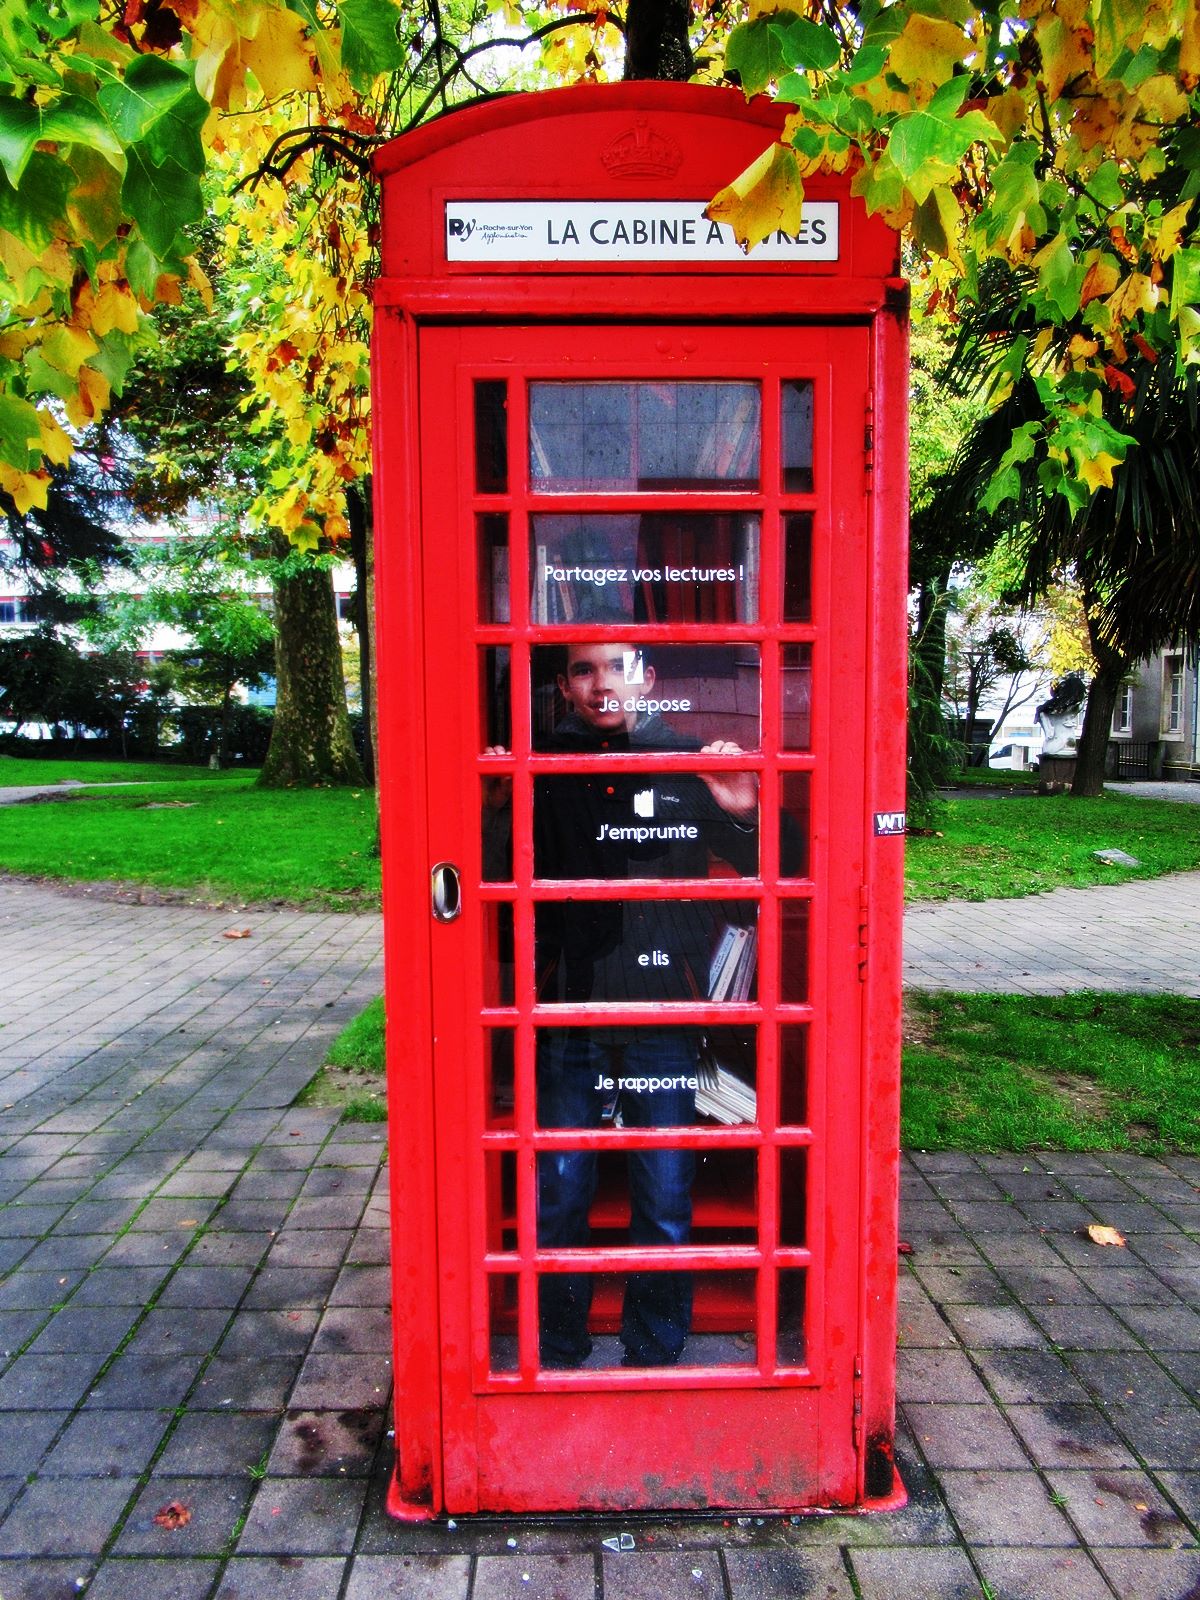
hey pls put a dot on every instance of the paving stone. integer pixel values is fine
(196, 1516)
(229, 1250)
(362, 1330)
(119, 1286)
(97, 1328)
(965, 1436)
(1068, 1435)
(136, 1381)
(17, 1329)
(993, 1327)
(409, 1577)
(282, 1578)
(1164, 1327)
(328, 1443)
(52, 1518)
(1184, 1367)
(971, 1285)
(37, 1290)
(266, 1333)
(1007, 1508)
(33, 1381)
(1152, 1574)
(309, 1247)
(1127, 1377)
(934, 1375)
(362, 1286)
(246, 1383)
(1161, 1436)
(931, 1574)
(206, 1286)
(108, 1444)
(303, 1516)
(187, 1331)
(769, 1574)
(217, 1444)
(1042, 1575)
(26, 1436)
(277, 1288)
(565, 1577)
(1084, 1328)
(330, 1382)
(153, 1578)
(1029, 1377)
(1119, 1508)
(22, 1579)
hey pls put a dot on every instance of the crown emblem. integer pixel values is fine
(642, 153)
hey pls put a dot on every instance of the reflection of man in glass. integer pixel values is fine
(625, 825)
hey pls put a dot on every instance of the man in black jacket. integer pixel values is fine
(611, 826)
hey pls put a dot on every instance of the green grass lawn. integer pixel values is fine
(1061, 1072)
(981, 1072)
(1001, 846)
(213, 836)
(19, 771)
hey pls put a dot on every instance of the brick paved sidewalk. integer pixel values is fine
(193, 1320)
(1142, 936)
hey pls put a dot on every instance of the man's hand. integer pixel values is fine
(497, 790)
(734, 792)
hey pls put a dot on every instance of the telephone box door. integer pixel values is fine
(645, 593)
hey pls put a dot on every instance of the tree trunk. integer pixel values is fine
(1092, 746)
(362, 551)
(310, 741)
(656, 40)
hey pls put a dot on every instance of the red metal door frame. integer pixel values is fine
(591, 1406)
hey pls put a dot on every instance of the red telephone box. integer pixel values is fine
(641, 655)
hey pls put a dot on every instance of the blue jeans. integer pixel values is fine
(657, 1311)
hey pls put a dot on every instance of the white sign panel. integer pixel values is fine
(622, 230)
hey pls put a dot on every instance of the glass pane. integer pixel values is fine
(495, 820)
(793, 1076)
(794, 825)
(645, 950)
(585, 437)
(647, 1319)
(491, 437)
(500, 1190)
(492, 544)
(499, 1057)
(641, 825)
(645, 1077)
(664, 697)
(793, 1196)
(495, 702)
(792, 1347)
(653, 567)
(502, 1321)
(793, 951)
(797, 697)
(798, 436)
(497, 954)
(797, 567)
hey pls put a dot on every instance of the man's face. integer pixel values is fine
(600, 679)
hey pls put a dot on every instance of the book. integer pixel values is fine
(722, 1095)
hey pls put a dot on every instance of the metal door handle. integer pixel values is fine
(446, 891)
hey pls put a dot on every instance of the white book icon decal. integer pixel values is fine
(643, 803)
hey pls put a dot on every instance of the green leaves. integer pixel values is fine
(19, 430)
(755, 53)
(70, 120)
(370, 39)
(927, 145)
(151, 89)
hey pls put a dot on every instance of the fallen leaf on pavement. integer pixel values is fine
(173, 1515)
(1099, 1233)
(237, 933)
